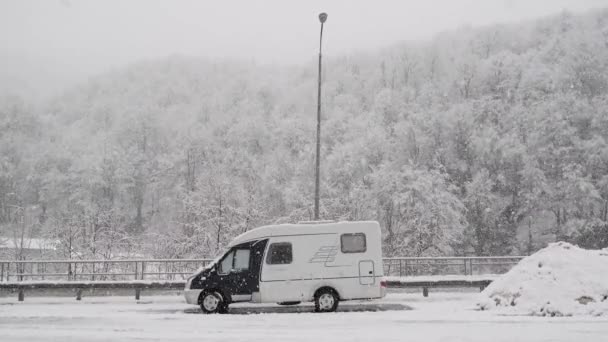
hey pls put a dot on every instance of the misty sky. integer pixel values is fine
(64, 40)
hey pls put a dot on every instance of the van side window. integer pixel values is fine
(279, 253)
(353, 243)
(237, 260)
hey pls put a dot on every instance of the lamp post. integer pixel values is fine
(322, 19)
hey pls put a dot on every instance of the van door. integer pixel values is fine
(366, 272)
(281, 278)
(239, 270)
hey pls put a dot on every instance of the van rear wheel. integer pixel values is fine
(326, 300)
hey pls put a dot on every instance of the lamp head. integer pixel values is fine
(322, 17)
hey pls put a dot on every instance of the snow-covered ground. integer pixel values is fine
(399, 317)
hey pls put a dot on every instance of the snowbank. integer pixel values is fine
(559, 280)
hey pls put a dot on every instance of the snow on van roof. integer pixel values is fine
(305, 228)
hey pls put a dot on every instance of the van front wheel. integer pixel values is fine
(326, 300)
(212, 302)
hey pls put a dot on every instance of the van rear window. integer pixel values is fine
(353, 243)
(279, 253)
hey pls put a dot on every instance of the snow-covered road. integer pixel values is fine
(400, 317)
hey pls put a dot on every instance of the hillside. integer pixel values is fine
(482, 141)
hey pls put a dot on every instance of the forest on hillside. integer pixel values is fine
(485, 141)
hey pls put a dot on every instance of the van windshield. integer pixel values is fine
(226, 263)
(209, 265)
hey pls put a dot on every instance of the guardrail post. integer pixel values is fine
(137, 293)
(20, 270)
(21, 295)
(78, 294)
(425, 291)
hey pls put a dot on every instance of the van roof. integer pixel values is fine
(305, 228)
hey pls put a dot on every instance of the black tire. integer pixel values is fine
(213, 302)
(223, 308)
(289, 303)
(326, 300)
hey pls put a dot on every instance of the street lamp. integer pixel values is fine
(322, 19)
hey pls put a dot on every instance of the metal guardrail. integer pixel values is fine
(180, 269)
(139, 285)
(418, 266)
(79, 286)
(425, 284)
(99, 270)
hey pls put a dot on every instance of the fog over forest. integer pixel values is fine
(490, 140)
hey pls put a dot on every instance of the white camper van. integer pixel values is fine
(293, 263)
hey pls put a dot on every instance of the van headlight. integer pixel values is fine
(189, 281)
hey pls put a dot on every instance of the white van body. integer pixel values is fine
(295, 262)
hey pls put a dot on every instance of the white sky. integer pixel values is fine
(77, 38)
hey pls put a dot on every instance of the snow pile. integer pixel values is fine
(559, 280)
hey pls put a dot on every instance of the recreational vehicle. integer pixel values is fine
(315, 262)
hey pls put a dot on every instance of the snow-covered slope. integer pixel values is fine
(559, 280)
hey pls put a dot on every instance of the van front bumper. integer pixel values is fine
(192, 295)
